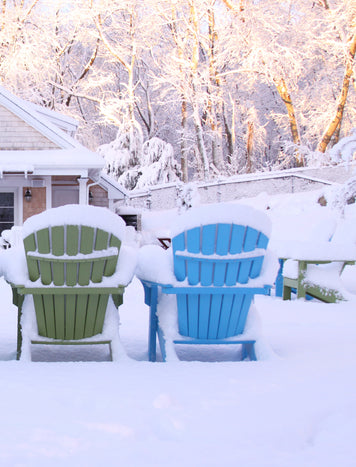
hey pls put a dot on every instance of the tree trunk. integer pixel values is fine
(229, 134)
(249, 147)
(200, 143)
(214, 110)
(194, 63)
(284, 93)
(183, 144)
(336, 121)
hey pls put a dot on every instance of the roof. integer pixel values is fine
(72, 156)
(64, 122)
(52, 162)
(114, 189)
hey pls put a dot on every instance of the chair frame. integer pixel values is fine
(214, 263)
(69, 279)
(304, 289)
(151, 299)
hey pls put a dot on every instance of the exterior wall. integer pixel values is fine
(37, 203)
(15, 134)
(100, 196)
(39, 196)
(65, 190)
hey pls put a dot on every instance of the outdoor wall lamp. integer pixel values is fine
(28, 195)
(91, 197)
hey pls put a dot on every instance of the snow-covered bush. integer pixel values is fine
(157, 163)
(123, 154)
(338, 196)
(135, 164)
(187, 196)
(345, 149)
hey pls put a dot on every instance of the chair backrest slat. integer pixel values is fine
(101, 243)
(237, 238)
(57, 239)
(226, 315)
(223, 239)
(72, 239)
(44, 247)
(86, 239)
(208, 239)
(60, 315)
(178, 244)
(110, 264)
(32, 263)
(251, 237)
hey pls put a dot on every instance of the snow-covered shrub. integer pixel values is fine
(157, 163)
(345, 149)
(187, 196)
(338, 196)
(135, 164)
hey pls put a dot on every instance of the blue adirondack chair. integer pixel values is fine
(217, 267)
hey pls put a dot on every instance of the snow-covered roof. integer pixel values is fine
(39, 121)
(114, 189)
(68, 124)
(71, 158)
(78, 161)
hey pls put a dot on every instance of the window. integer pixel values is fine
(7, 210)
(62, 195)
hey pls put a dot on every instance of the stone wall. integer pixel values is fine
(289, 181)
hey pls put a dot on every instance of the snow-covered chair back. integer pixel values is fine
(218, 268)
(72, 254)
(219, 254)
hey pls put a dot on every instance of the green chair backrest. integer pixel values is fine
(71, 255)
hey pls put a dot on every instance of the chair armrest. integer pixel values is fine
(66, 290)
(192, 289)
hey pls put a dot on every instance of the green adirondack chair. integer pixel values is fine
(71, 271)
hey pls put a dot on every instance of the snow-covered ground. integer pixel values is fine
(297, 408)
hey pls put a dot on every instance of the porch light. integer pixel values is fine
(91, 197)
(28, 195)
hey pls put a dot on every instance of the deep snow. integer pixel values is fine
(296, 408)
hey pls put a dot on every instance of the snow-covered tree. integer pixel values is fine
(145, 164)
(233, 85)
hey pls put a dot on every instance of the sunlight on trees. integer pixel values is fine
(231, 86)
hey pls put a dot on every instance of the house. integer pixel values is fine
(43, 166)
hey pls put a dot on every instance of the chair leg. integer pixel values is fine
(153, 325)
(19, 328)
(248, 350)
(301, 293)
(287, 292)
(162, 343)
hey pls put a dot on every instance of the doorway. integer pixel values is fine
(7, 210)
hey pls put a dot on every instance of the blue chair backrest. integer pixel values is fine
(219, 254)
